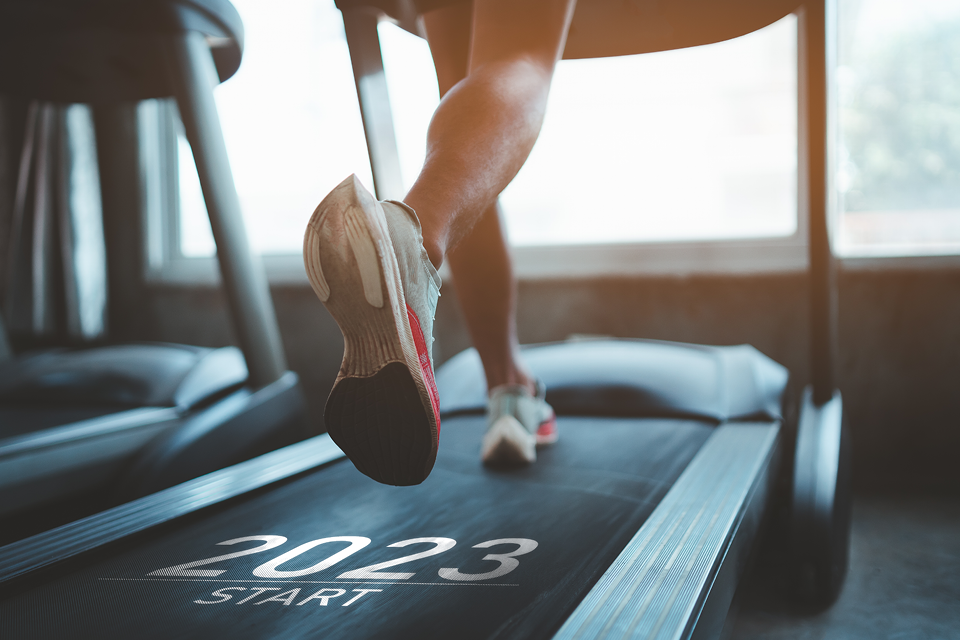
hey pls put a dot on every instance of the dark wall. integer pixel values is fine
(899, 345)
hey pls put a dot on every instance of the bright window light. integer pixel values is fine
(698, 144)
(899, 155)
(291, 123)
(693, 144)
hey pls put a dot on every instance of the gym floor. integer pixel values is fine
(904, 580)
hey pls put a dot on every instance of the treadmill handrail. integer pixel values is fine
(84, 429)
(56, 545)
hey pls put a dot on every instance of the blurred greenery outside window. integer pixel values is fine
(898, 85)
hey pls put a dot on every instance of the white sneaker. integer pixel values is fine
(366, 262)
(517, 423)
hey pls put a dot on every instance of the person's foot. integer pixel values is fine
(366, 262)
(517, 422)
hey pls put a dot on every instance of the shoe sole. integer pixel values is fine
(383, 411)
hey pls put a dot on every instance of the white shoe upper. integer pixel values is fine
(514, 416)
(421, 282)
(514, 400)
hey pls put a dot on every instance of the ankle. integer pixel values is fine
(513, 377)
(434, 252)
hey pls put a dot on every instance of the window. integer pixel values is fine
(683, 155)
(672, 162)
(899, 92)
(291, 125)
(694, 144)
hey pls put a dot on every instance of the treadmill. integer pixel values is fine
(637, 524)
(89, 427)
(603, 28)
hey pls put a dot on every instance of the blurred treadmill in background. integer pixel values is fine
(85, 427)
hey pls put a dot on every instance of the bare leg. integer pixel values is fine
(480, 262)
(487, 290)
(383, 410)
(487, 123)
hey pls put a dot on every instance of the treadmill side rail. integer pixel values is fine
(669, 580)
(234, 429)
(86, 429)
(73, 458)
(65, 542)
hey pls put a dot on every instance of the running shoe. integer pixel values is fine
(366, 262)
(517, 422)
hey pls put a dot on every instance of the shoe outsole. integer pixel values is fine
(379, 423)
(352, 268)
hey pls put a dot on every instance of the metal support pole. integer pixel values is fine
(817, 46)
(194, 76)
(41, 256)
(117, 151)
(6, 353)
(364, 44)
(15, 293)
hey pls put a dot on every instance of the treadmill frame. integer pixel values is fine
(733, 474)
(822, 531)
(677, 576)
(86, 454)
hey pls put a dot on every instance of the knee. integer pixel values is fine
(527, 67)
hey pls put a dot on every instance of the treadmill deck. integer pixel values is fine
(581, 503)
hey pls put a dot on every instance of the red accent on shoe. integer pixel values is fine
(547, 431)
(425, 369)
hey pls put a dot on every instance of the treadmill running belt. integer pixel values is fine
(567, 518)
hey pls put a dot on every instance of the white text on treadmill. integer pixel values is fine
(271, 569)
(321, 597)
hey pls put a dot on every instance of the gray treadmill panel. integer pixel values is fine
(131, 375)
(642, 378)
(20, 420)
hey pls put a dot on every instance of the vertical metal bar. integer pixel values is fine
(6, 352)
(84, 218)
(364, 44)
(15, 242)
(816, 48)
(121, 183)
(194, 76)
(66, 228)
(41, 219)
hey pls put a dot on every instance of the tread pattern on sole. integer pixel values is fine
(380, 424)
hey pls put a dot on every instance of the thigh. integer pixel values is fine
(535, 30)
(448, 32)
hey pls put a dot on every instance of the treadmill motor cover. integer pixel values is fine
(123, 376)
(633, 378)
